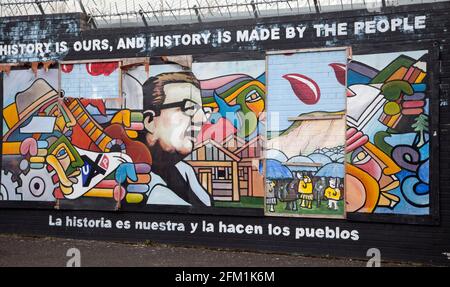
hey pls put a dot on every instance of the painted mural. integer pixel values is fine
(387, 134)
(228, 151)
(207, 135)
(306, 134)
(63, 147)
(188, 142)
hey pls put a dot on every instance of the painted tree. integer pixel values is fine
(421, 127)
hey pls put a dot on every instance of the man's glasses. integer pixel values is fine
(187, 106)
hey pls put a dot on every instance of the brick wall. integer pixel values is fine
(39, 28)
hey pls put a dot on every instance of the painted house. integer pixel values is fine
(231, 169)
(217, 170)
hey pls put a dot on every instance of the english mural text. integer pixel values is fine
(146, 42)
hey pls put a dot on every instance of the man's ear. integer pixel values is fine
(149, 124)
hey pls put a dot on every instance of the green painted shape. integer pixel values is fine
(392, 90)
(244, 202)
(380, 142)
(74, 164)
(401, 61)
(137, 117)
(225, 94)
(322, 210)
(251, 121)
(391, 108)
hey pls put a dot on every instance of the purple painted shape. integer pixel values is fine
(363, 69)
(399, 155)
(414, 97)
(142, 168)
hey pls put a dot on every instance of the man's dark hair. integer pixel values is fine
(153, 88)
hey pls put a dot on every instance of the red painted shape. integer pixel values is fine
(339, 71)
(67, 68)
(97, 103)
(306, 89)
(217, 132)
(137, 150)
(102, 68)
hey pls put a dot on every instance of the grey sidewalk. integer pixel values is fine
(44, 251)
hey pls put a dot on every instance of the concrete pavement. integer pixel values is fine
(18, 250)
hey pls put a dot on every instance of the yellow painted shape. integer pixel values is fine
(77, 112)
(63, 146)
(37, 159)
(393, 119)
(420, 78)
(132, 134)
(83, 118)
(332, 193)
(73, 104)
(67, 190)
(89, 127)
(100, 192)
(122, 117)
(391, 167)
(11, 148)
(63, 179)
(134, 197)
(10, 115)
(305, 187)
(95, 135)
(103, 143)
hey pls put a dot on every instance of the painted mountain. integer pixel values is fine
(311, 132)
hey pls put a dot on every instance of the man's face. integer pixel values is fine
(176, 128)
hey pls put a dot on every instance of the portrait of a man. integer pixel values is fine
(173, 116)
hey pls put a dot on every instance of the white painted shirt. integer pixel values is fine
(160, 194)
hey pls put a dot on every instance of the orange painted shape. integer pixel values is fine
(10, 115)
(89, 127)
(100, 192)
(420, 78)
(398, 75)
(370, 192)
(77, 112)
(95, 135)
(103, 143)
(391, 167)
(83, 118)
(141, 178)
(131, 134)
(10, 148)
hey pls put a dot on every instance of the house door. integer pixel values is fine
(205, 176)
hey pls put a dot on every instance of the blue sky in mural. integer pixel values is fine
(281, 96)
(79, 83)
(208, 70)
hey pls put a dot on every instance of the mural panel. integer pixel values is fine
(306, 134)
(24, 96)
(387, 134)
(70, 149)
(228, 151)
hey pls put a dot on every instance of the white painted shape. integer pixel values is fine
(43, 125)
